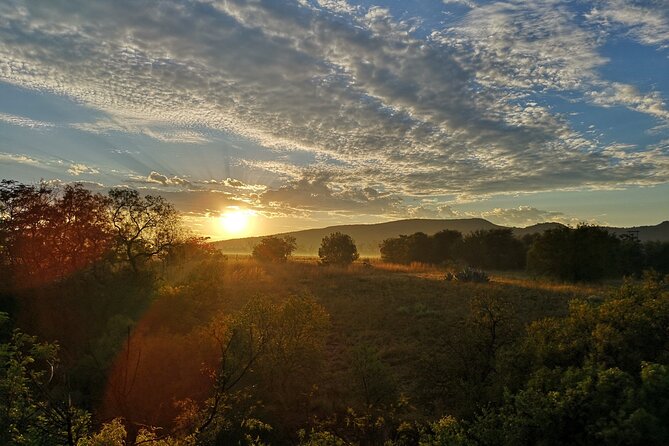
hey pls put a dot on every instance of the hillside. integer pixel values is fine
(368, 236)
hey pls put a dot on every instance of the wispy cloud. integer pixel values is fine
(23, 121)
(449, 111)
(646, 21)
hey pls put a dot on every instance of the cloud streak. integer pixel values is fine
(452, 111)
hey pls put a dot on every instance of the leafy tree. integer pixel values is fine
(338, 249)
(419, 247)
(600, 375)
(493, 249)
(33, 409)
(407, 248)
(395, 250)
(657, 256)
(274, 249)
(144, 227)
(47, 233)
(581, 254)
(446, 246)
(631, 257)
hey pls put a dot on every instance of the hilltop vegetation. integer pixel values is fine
(368, 237)
(190, 347)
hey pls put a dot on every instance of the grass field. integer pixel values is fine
(406, 315)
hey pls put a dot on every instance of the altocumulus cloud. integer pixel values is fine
(444, 113)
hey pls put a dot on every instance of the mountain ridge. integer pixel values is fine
(368, 235)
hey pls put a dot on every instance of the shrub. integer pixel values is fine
(274, 249)
(338, 249)
(469, 275)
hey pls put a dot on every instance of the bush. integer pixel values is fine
(274, 249)
(468, 275)
(337, 249)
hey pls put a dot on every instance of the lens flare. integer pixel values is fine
(236, 221)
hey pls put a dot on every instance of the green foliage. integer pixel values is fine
(589, 405)
(274, 249)
(582, 254)
(657, 256)
(33, 410)
(447, 431)
(493, 249)
(372, 377)
(320, 438)
(597, 376)
(441, 247)
(337, 249)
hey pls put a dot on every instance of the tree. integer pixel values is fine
(34, 406)
(494, 249)
(395, 250)
(274, 249)
(581, 254)
(144, 227)
(49, 233)
(445, 245)
(338, 249)
(420, 247)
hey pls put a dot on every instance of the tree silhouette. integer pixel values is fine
(49, 233)
(584, 253)
(338, 249)
(144, 227)
(274, 249)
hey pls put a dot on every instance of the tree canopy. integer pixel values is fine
(274, 249)
(338, 249)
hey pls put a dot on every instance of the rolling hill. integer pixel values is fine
(368, 236)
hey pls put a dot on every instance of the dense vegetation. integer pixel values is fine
(337, 249)
(584, 253)
(274, 249)
(150, 337)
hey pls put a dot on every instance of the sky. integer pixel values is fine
(256, 117)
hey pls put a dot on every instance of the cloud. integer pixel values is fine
(646, 21)
(523, 216)
(372, 100)
(237, 185)
(18, 158)
(617, 93)
(76, 169)
(155, 177)
(468, 3)
(316, 193)
(23, 121)
(160, 131)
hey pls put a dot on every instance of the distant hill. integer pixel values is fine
(647, 233)
(367, 237)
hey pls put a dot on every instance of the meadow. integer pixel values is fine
(116, 327)
(403, 328)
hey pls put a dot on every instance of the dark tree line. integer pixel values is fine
(48, 233)
(491, 249)
(576, 254)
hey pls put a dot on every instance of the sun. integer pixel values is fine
(236, 221)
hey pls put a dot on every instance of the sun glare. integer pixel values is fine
(236, 221)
